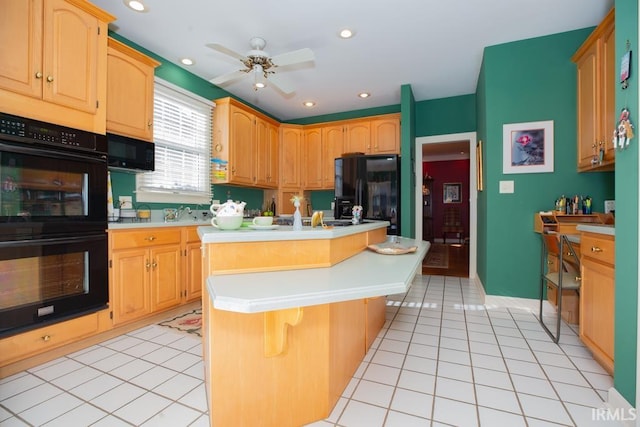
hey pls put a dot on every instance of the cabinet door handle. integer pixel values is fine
(149, 125)
(150, 238)
(49, 79)
(148, 265)
(38, 75)
(46, 338)
(154, 264)
(595, 249)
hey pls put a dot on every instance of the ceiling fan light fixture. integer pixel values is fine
(136, 5)
(364, 95)
(259, 78)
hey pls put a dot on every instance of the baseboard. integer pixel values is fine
(618, 409)
(478, 284)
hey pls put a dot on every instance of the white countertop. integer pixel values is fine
(211, 234)
(365, 275)
(609, 230)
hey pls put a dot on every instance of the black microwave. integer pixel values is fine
(130, 154)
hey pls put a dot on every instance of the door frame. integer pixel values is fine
(473, 190)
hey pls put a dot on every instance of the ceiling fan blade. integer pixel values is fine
(229, 77)
(226, 51)
(294, 57)
(280, 83)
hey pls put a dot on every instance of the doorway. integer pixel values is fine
(471, 140)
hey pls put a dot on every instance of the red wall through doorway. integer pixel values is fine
(444, 172)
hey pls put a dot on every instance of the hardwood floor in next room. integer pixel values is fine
(457, 264)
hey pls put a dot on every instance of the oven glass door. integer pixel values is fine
(45, 193)
(42, 279)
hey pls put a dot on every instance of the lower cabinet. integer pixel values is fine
(192, 270)
(145, 272)
(47, 338)
(597, 297)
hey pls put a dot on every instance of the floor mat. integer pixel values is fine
(437, 256)
(190, 322)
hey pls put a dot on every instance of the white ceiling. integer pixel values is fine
(434, 46)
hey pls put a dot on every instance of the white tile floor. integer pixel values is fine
(442, 359)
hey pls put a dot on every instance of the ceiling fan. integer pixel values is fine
(261, 66)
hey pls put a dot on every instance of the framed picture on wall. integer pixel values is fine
(527, 147)
(452, 192)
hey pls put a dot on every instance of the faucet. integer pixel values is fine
(181, 211)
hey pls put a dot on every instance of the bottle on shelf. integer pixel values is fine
(272, 208)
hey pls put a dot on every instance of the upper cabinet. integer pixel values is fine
(129, 91)
(358, 137)
(332, 148)
(312, 155)
(595, 61)
(53, 62)
(385, 135)
(373, 135)
(243, 145)
(291, 140)
(268, 158)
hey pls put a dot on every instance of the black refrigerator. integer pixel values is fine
(370, 181)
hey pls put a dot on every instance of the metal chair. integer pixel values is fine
(565, 277)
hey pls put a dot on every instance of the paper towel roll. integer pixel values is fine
(109, 196)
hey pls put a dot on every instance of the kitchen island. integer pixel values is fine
(289, 315)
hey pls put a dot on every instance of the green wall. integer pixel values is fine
(407, 163)
(627, 213)
(346, 115)
(524, 81)
(456, 114)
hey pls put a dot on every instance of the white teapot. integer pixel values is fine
(229, 208)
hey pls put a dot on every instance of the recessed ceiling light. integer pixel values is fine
(364, 94)
(187, 61)
(260, 85)
(309, 104)
(136, 5)
(346, 33)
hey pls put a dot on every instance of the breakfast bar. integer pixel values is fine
(288, 316)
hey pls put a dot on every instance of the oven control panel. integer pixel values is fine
(22, 129)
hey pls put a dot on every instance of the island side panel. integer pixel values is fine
(246, 388)
(347, 341)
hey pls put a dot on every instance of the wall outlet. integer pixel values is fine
(126, 202)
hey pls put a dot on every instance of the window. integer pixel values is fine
(182, 134)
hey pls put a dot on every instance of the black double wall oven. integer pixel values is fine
(53, 222)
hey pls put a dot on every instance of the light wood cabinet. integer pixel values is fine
(267, 160)
(239, 132)
(145, 272)
(53, 62)
(373, 135)
(358, 137)
(290, 156)
(41, 340)
(332, 148)
(192, 265)
(312, 157)
(385, 135)
(130, 77)
(597, 297)
(595, 62)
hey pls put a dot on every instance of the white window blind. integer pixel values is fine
(182, 137)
